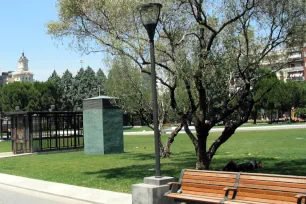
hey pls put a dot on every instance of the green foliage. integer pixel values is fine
(131, 86)
(67, 91)
(22, 94)
(101, 79)
(84, 86)
(48, 95)
(283, 96)
(56, 89)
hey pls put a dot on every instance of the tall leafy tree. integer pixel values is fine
(66, 86)
(22, 94)
(48, 94)
(84, 86)
(54, 78)
(101, 79)
(219, 39)
(57, 93)
(78, 88)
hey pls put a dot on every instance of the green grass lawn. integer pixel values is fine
(282, 152)
(138, 129)
(6, 146)
(145, 128)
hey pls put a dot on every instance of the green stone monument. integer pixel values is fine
(103, 126)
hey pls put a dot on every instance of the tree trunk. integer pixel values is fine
(255, 116)
(166, 151)
(203, 161)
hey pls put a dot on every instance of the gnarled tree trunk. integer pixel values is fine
(166, 150)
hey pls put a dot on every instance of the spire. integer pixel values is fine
(22, 53)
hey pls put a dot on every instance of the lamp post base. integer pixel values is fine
(152, 191)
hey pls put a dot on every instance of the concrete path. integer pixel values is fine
(272, 127)
(11, 154)
(13, 195)
(84, 194)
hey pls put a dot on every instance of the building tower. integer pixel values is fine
(23, 63)
(23, 73)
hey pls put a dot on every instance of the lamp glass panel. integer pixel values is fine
(149, 15)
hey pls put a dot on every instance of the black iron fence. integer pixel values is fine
(46, 131)
(5, 128)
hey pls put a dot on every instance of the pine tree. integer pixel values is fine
(54, 78)
(56, 89)
(67, 91)
(77, 89)
(101, 79)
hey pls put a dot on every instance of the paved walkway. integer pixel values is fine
(84, 194)
(272, 127)
(13, 195)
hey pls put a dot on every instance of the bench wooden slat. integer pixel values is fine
(209, 182)
(204, 174)
(269, 178)
(204, 187)
(198, 178)
(201, 190)
(265, 196)
(210, 194)
(206, 199)
(256, 201)
(210, 171)
(260, 200)
(274, 175)
(262, 193)
(275, 188)
(271, 183)
(204, 190)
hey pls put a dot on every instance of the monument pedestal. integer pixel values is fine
(152, 191)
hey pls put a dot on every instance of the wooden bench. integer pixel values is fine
(237, 188)
(269, 188)
(201, 186)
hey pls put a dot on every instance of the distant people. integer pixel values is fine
(246, 166)
(9, 133)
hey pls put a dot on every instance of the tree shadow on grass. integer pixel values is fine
(177, 162)
(137, 156)
(133, 172)
(288, 167)
(270, 165)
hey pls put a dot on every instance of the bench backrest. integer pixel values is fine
(256, 187)
(206, 183)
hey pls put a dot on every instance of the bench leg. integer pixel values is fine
(300, 201)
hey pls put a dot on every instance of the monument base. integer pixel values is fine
(152, 191)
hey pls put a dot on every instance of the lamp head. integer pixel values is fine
(149, 14)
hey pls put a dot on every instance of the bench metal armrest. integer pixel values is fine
(173, 187)
(171, 184)
(300, 197)
(228, 189)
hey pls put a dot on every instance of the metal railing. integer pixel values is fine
(43, 131)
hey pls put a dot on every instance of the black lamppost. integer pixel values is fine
(149, 14)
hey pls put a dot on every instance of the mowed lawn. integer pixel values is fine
(282, 152)
(6, 146)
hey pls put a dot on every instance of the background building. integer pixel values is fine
(295, 60)
(22, 74)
